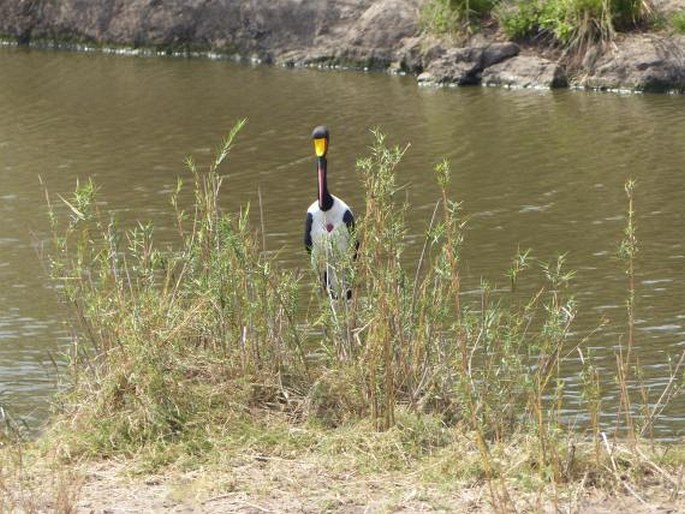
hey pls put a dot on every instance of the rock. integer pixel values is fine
(525, 71)
(409, 58)
(297, 32)
(451, 71)
(640, 62)
(464, 66)
(498, 52)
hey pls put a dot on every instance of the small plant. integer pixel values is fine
(163, 335)
(11, 430)
(573, 24)
(454, 16)
(628, 250)
(627, 14)
(519, 20)
(678, 22)
(437, 17)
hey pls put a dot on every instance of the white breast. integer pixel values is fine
(329, 225)
(330, 241)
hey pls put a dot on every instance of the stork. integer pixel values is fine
(328, 226)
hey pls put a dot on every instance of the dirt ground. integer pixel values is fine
(261, 485)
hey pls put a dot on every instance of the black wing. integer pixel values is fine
(348, 219)
(308, 232)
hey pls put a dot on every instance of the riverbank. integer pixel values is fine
(360, 473)
(384, 35)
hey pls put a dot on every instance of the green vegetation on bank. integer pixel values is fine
(196, 354)
(572, 24)
(678, 22)
(454, 16)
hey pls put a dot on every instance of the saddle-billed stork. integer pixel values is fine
(329, 226)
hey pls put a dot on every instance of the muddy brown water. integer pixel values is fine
(534, 169)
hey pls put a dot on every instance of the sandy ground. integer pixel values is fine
(669, 6)
(277, 485)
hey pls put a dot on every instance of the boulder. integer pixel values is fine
(640, 62)
(464, 66)
(525, 71)
(299, 32)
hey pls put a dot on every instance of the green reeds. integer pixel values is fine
(454, 16)
(677, 21)
(490, 365)
(168, 341)
(155, 327)
(629, 374)
(624, 359)
(575, 25)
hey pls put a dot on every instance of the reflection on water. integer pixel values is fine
(540, 170)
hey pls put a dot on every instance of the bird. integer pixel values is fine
(329, 226)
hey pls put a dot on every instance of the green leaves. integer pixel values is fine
(573, 24)
(453, 16)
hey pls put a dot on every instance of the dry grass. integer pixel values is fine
(33, 482)
(352, 469)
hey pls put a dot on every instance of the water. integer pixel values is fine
(540, 170)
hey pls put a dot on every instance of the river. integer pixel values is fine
(534, 169)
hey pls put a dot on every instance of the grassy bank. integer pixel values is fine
(571, 25)
(208, 353)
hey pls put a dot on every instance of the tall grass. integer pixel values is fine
(166, 340)
(175, 348)
(574, 24)
(677, 21)
(454, 16)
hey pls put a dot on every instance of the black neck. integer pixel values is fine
(325, 198)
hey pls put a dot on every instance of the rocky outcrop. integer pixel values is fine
(379, 34)
(297, 32)
(526, 71)
(464, 66)
(652, 63)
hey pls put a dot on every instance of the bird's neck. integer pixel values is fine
(325, 198)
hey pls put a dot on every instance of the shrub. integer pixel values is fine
(169, 340)
(453, 16)
(183, 350)
(519, 20)
(574, 24)
(678, 22)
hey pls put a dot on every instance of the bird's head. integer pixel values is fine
(320, 137)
